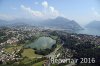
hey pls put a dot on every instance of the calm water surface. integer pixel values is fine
(42, 43)
(89, 31)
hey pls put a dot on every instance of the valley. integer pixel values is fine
(31, 45)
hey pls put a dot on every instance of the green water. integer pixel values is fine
(42, 43)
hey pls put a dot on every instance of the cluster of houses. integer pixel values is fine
(12, 40)
(7, 57)
(14, 35)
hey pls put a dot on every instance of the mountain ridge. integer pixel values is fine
(94, 24)
(59, 22)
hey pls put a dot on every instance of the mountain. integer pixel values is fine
(94, 24)
(62, 23)
(57, 23)
(6, 23)
(16, 22)
(3, 22)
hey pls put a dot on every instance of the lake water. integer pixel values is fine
(89, 31)
(42, 43)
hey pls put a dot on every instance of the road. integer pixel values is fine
(53, 53)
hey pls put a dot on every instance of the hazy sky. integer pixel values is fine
(82, 11)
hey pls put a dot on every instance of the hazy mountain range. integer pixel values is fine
(59, 22)
(93, 25)
(62, 23)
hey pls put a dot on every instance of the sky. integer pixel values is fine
(82, 11)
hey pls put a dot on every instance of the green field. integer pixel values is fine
(30, 53)
(38, 64)
(12, 49)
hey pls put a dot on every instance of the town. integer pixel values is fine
(13, 50)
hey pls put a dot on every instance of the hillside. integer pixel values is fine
(94, 24)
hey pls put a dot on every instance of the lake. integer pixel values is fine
(42, 43)
(89, 31)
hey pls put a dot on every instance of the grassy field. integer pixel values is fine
(38, 64)
(30, 53)
(11, 49)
